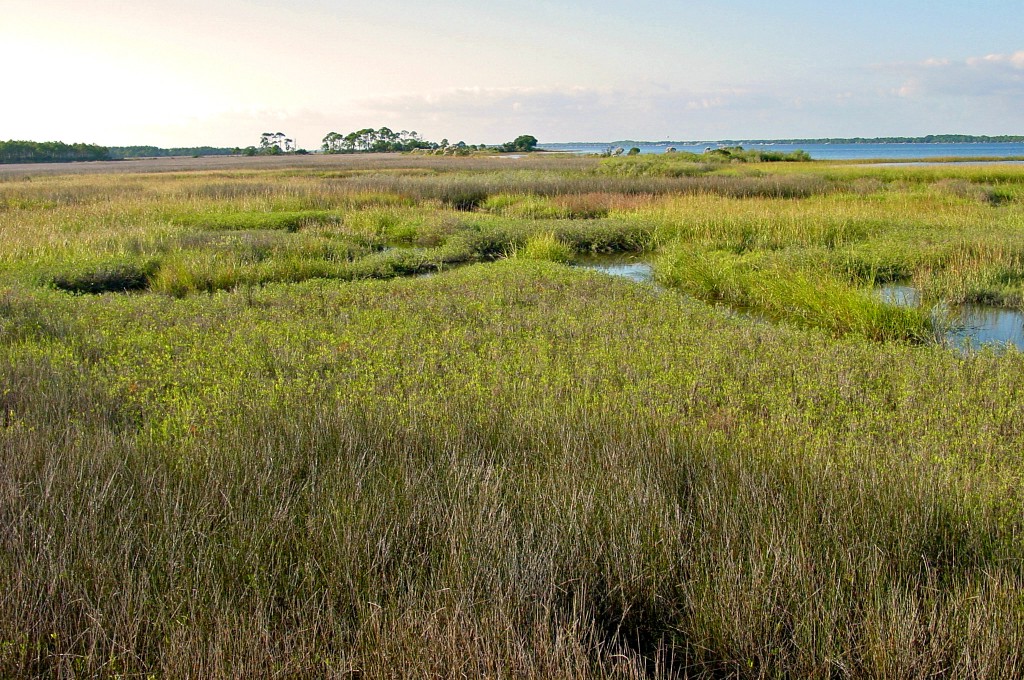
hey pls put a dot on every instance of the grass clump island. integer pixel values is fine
(240, 436)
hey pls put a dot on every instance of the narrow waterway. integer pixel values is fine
(972, 326)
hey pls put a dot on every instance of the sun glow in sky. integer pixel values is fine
(220, 72)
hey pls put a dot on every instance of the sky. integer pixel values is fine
(221, 72)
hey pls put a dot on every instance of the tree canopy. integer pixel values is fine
(370, 140)
(520, 143)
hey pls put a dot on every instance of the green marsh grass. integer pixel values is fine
(778, 290)
(241, 221)
(569, 476)
(545, 246)
(270, 463)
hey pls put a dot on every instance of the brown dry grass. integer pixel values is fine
(343, 162)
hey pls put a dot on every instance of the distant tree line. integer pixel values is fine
(366, 140)
(158, 152)
(13, 151)
(384, 140)
(59, 152)
(272, 144)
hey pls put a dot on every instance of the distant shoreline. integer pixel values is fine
(927, 139)
(385, 161)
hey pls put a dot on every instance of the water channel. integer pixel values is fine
(972, 325)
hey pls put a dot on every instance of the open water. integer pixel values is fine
(837, 152)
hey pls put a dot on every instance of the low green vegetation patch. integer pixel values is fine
(545, 246)
(779, 290)
(738, 153)
(291, 220)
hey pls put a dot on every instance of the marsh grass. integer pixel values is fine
(278, 485)
(272, 464)
(242, 221)
(206, 272)
(545, 246)
(775, 288)
(936, 226)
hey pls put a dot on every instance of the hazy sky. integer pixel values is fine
(220, 72)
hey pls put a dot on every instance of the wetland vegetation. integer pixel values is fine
(240, 437)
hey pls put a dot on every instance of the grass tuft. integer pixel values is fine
(780, 291)
(545, 246)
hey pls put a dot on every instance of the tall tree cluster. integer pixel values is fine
(276, 142)
(371, 140)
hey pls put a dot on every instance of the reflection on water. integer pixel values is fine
(973, 325)
(983, 325)
(626, 267)
(904, 296)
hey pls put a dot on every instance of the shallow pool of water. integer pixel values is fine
(984, 325)
(904, 296)
(617, 265)
(973, 325)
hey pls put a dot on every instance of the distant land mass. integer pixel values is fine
(927, 139)
(13, 151)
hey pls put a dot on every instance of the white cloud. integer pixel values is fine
(993, 75)
(1015, 60)
(572, 113)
